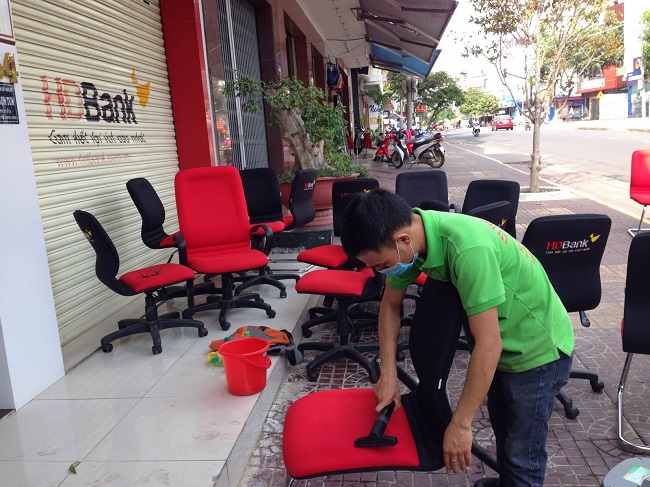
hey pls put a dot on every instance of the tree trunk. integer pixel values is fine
(535, 156)
(307, 153)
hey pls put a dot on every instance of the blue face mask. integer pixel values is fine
(400, 268)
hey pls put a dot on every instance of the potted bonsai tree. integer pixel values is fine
(314, 131)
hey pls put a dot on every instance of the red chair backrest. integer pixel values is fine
(211, 208)
(640, 173)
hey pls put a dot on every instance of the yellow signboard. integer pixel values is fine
(599, 95)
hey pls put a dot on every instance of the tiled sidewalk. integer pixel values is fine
(581, 451)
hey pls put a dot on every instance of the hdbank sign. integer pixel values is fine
(91, 113)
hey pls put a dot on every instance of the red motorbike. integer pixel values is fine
(383, 151)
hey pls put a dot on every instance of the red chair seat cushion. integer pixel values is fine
(287, 220)
(640, 195)
(220, 261)
(422, 278)
(329, 256)
(156, 276)
(275, 226)
(337, 418)
(168, 241)
(333, 282)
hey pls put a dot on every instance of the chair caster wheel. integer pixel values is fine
(597, 386)
(571, 413)
(259, 300)
(312, 376)
(400, 356)
(270, 313)
(307, 333)
(203, 332)
(225, 325)
(107, 348)
(283, 294)
(156, 349)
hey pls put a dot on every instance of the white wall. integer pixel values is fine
(613, 106)
(30, 350)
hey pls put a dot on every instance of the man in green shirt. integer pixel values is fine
(520, 335)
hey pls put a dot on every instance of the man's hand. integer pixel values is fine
(387, 391)
(457, 447)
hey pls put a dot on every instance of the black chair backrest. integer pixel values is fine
(151, 211)
(434, 205)
(484, 191)
(107, 264)
(418, 186)
(438, 318)
(636, 310)
(262, 192)
(343, 190)
(301, 198)
(570, 248)
(495, 213)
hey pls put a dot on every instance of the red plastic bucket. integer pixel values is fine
(245, 362)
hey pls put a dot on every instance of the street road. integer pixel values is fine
(592, 163)
(604, 153)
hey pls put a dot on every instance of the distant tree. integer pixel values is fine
(645, 43)
(477, 103)
(546, 31)
(594, 49)
(438, 91)
(446, 114)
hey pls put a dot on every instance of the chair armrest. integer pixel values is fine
(182, 248)
(268, 237)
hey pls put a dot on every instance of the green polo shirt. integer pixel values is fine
(490, 268)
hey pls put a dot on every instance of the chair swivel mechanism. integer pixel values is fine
(339, 421)
(148, 281)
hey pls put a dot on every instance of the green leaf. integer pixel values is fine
(73, 467)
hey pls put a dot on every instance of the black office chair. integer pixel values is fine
(636, 318)
(301, 199)
(148, 280)
(154, 236)
(419, 186)
(264, 204)
(484, 191)
(570, 248)
(337, 418)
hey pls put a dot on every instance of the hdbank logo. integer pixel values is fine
(76, 101)
(571, 245)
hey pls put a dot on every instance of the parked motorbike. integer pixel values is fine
(426, 149)
(382, 154)
(359, 133)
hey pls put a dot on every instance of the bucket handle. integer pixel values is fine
(261, 361)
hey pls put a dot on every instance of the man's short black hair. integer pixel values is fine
(371, 220)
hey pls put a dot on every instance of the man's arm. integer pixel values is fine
(457, 444)
(387, 387)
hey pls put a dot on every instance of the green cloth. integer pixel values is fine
(490, 268)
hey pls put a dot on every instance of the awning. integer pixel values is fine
(391, 59)
(403, 35)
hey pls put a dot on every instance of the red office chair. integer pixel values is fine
(215, 236)
(640, 184)
(635, 332)
(335, 419)
(346, 288)
(149, 281)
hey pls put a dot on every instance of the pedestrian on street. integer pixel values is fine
(519, 334)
